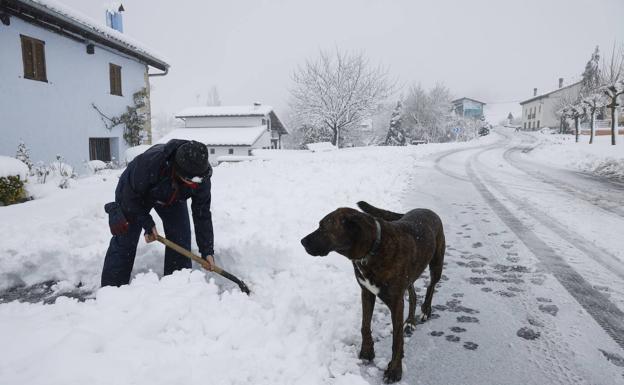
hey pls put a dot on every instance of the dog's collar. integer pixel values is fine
(375, 248)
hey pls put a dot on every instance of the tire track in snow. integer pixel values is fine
(602, 310)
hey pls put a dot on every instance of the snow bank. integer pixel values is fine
(12, 167)
(321, 146)
(600, 158)
(95, 165)
(133, 152)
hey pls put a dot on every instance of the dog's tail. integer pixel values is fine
(379, 213)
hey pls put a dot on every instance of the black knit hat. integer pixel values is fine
(191, 160)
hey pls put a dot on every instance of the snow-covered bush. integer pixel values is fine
(13, 174)
(95, 166)
(23, 154)
(41, 171)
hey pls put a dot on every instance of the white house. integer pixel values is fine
(56, 65)
(231, 130)
(541, 110)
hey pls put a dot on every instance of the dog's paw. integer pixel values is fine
(424, 318)
(393, 375)
(409, 329)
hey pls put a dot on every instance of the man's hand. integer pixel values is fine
(151, 237)
(211, 262)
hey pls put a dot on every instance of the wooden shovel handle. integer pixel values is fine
(188, 254)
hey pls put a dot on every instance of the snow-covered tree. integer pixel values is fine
(213, 97)
(591, 75)
(427, 114)
(313, 134)
(23, 154)
(396, 134)
(593, 103)
(337, 90)
(612, 86)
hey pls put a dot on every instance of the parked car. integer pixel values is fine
(416, 142)
(484, 130)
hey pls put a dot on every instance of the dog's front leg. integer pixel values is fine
(395, 368)
(368, 304)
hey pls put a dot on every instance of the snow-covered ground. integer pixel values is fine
(501, 315)
(600, 158)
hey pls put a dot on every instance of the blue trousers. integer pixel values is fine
(122, 248)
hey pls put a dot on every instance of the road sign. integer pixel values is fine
(456, 130)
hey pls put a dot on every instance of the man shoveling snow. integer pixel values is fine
(163, 178)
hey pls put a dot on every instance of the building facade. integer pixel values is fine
(541, 110)
(57, 67)
(231, 130)
(468, 107)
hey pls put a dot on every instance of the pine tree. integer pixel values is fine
(23, 154)
(591, 75)
(396, 134)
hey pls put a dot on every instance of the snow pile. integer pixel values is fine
(320, 147)
(12, 167)
(299, 326)
(95, 165)
(600, 158)
(135, 151)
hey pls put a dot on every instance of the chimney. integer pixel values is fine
(114, 18)
(560, 82)
(534, 91)
(256, 105)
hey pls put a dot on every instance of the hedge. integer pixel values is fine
(11, 189)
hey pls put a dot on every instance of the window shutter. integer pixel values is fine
(40, 70)
(27, 58)
(112, 78)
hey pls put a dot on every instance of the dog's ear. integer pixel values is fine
(352, 223)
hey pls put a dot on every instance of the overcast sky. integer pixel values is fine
(492, 50)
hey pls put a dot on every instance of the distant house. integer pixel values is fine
(541, 110)
(231, 130)
(55, 65)
(469, 108)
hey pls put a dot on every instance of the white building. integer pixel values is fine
(55, 65)
(230, 130)
(541, 110)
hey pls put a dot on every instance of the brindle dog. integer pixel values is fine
(389, 251)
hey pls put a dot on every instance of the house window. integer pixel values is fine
(525, 125)
(264, 121)
(540, 108)
(212, 151)
(33, 57)
(249, 152)
(115, 79)
(538, 124)
(231, 151)
(100, 149)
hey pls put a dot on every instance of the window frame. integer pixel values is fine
(34, 66)
(114, 73)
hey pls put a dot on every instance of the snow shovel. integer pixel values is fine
(204, 263)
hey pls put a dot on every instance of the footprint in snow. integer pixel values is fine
(470, 345)
(467, 319)
(486, 289)
(477, 245)
(549, 309)
(528, 333)
(452, 338)
(457, 329)
(436, 333)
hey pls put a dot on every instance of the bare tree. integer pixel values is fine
(593, 103)
(337, 90)
(612, 85)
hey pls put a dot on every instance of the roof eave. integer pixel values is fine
(24, 8)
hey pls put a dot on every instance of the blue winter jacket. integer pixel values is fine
(148, 181)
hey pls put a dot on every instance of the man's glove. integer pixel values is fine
(116, 219)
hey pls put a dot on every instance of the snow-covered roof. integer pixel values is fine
(218, 136)
(471, 99)
(547, 94)
(67, 20)
(207, 111)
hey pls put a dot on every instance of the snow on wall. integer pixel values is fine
(56, 117)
